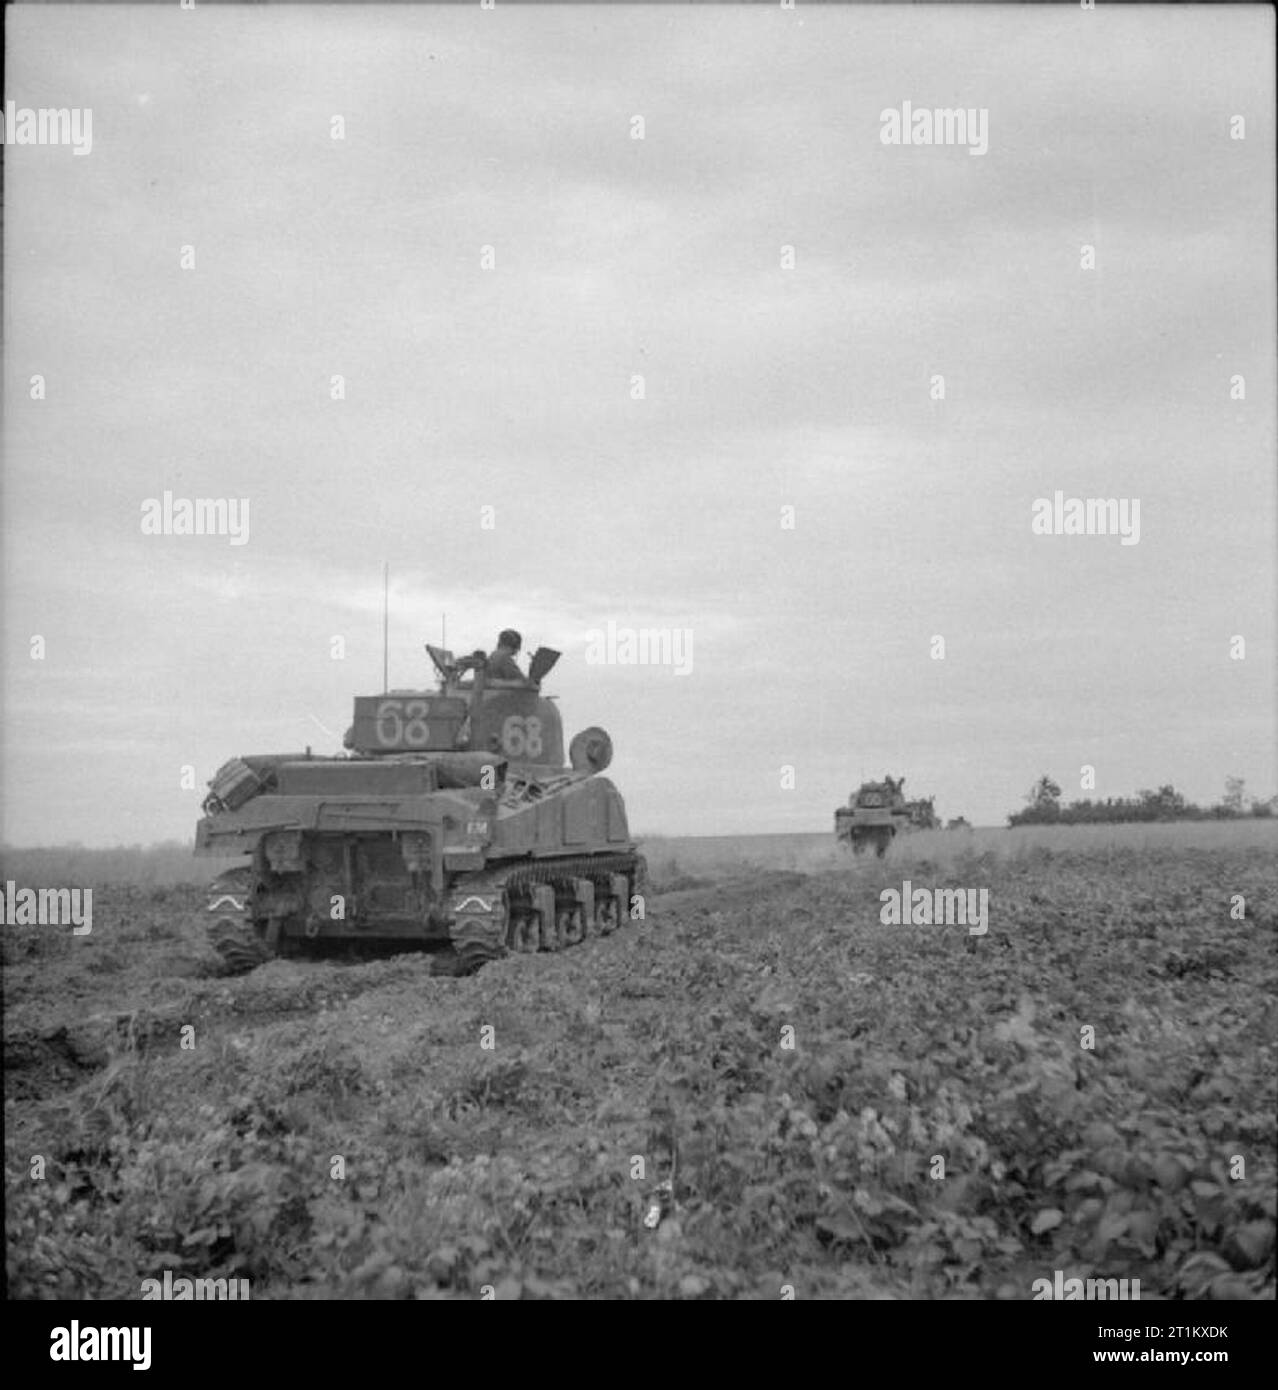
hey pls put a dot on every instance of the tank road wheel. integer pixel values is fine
(583, 912)
(616, 904)
(609, 895)
(544, 918)
(568, 918)
(238, 944)
(521, 936)
(605, 916)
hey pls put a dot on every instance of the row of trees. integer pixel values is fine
(1043, 806)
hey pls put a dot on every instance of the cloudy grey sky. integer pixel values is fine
(511, 387)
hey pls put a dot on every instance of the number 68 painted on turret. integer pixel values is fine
(521, 736)
(402, 723)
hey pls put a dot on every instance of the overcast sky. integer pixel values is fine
(511, 387)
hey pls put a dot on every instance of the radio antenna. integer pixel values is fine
(385, 627)
(443, 631)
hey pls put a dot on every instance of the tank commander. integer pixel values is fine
(501, 664)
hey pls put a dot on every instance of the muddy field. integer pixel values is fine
(841, 1108)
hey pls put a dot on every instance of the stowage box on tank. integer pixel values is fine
(454, 820)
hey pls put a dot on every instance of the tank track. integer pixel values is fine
(543, 907)
(238, 944)
(242, 948)
(876, 838)
(862, 838)
(231, 934)
(581, 866)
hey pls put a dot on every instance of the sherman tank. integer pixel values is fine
(875, 814)
(453, 821)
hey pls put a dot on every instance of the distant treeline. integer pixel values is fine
(1043, 806)
(152, 866)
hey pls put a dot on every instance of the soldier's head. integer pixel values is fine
(510, 639)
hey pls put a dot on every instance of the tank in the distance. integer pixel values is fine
(875, 814)
(923, 814)
(454, 821)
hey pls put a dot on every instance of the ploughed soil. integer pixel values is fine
(757, 1089)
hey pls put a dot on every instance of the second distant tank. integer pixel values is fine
(875, 814)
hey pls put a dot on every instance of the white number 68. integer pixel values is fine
(521, 737)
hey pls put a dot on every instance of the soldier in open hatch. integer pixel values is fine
(501, 664)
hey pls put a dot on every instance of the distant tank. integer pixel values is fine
(923, 814)
(453, 822)
(875, 814)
